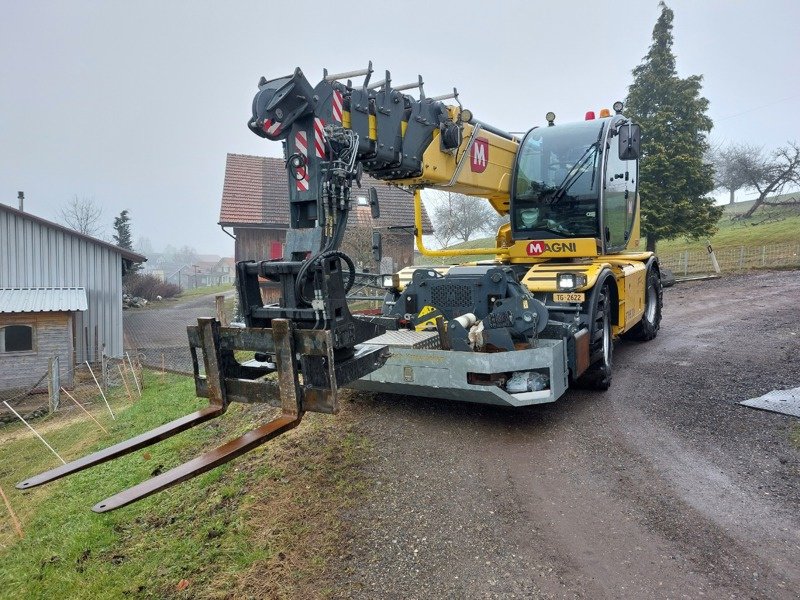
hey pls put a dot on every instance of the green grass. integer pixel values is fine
(752, 232)
(794, 436)
(204, 291)
(262, 526)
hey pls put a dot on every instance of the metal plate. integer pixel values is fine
(786, 402)
(403, 338)
(569, 297)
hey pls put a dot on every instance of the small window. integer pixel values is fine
(16, 338)
(362, 200)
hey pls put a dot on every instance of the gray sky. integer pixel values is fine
(136, 104)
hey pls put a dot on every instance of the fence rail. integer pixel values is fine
(733, 260)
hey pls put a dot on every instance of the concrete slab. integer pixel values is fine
(786, 402)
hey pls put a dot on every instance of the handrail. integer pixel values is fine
(452, 252)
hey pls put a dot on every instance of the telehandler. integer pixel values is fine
(564, 279)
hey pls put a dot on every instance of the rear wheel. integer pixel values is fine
(601, 345)
(646, 329)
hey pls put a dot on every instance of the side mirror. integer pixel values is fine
(377, 246)
(373, 203)
(629, 141)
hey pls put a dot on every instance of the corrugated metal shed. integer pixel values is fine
(27, 300)
(37, 253)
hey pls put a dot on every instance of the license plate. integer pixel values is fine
(569, 297)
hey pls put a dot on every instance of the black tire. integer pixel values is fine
(601, 345)
(646, 329)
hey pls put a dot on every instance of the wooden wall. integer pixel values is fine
(52, 336)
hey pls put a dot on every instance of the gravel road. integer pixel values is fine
(158, 332)
(662, 487)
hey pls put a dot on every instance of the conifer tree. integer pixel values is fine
(122, 229)
(674, 178)
(124, 239)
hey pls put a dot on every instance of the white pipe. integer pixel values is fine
(467, 320)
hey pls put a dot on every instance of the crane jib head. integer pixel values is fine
(279, 103)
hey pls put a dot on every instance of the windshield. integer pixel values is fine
(558, 180)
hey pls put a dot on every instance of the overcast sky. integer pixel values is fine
(135, 104)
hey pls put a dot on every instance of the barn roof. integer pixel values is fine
(126, 254)
(43, 299)
(255, 193)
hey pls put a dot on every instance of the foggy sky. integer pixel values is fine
(136, 104)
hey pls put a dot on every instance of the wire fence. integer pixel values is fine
(732, 259)
(61, 390)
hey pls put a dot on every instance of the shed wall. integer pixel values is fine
(52, 336)
(35, 255)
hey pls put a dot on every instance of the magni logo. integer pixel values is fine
(479, 155)
(535, 248)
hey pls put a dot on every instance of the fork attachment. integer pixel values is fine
(307, 376)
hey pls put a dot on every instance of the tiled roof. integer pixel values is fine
(25, 300)
(256, 193)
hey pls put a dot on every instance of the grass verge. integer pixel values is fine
(262, 526)
(204, 291)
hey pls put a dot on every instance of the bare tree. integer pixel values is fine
(83, 215)
(460, 217)
(770, 175)
(357, 244)
(728, 174)
(144, 246)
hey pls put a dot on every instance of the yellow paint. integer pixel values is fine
(631, 276)
(403, 127)
(426, 318)
(373, 128)
(493, 183)
(635, 238)
(346, 119)
(541, 277)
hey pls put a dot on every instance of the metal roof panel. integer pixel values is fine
(44, 299)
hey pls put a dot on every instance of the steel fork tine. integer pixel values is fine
(201, 464)
(140, 441)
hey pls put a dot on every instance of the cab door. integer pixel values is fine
(619, 194)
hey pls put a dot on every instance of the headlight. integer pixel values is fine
(570, 281)
(387, 281)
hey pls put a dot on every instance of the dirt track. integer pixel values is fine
(662, 487)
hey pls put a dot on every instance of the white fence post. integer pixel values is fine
(54, 383)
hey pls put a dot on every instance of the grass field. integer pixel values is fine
(259, 527)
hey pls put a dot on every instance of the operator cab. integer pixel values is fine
(570, 181)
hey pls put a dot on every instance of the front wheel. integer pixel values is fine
(601, 345)
(646, 329)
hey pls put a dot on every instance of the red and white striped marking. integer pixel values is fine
(301, 143)
(337, 105)
(271, 127)
(319, 137)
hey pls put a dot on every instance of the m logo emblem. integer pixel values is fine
(479, 155)
(535, 248)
